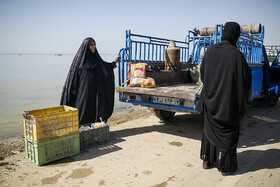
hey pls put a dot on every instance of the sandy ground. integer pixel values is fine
(14, 145)
(148, 152)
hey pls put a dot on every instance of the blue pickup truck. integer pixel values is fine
(178, 91)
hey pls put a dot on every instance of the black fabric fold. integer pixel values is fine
(226, 78)
(224, 160)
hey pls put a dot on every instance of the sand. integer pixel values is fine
(149, 152)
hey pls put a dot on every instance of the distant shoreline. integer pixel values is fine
(19, 54)
(55, 54)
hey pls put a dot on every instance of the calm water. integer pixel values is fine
(30, 82)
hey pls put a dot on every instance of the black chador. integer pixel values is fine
(227, 78)
(92, 80)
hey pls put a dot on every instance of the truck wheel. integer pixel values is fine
(164, 115)
(266, 101)
(273, 99)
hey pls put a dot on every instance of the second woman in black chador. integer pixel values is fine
(226, 78)
(90, 84)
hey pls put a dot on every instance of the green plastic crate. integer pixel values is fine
(92, 137)
(48, 150)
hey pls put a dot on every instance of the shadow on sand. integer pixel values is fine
(255, 131)
(266, 159)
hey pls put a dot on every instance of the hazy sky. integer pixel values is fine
(59, 26)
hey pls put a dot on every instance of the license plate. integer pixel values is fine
(166, 100)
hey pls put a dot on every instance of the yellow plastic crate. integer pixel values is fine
(51, 122)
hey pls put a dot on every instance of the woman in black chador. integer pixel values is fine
(227, 79)
(90, 84)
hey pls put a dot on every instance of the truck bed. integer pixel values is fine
(185, 91)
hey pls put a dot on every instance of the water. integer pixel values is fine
(30, 82)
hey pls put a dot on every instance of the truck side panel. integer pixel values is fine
(257, 77)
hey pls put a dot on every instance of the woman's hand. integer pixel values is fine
(117, 59)
(115, 62)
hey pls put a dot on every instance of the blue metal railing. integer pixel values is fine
(251, 46)
(148, 49)
(140, 48)
(151, 49)
(198, 44)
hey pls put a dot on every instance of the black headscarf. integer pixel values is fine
(101, 85)
(231, 32)
(67, 98)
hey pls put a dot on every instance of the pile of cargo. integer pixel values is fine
(53, 133)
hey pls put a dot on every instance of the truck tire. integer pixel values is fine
(273, 99)
(164, 114)
(267, 101)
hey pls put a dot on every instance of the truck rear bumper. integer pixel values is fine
(176, 98)
(160, 106)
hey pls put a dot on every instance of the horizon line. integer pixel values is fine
(57, 54)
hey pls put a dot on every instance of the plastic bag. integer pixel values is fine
(98, 125)
(84, 128)
(148, 83)
(137, 73)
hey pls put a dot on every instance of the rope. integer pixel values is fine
(199, 89)
(125, 82)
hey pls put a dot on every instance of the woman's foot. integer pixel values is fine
(207, 165)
